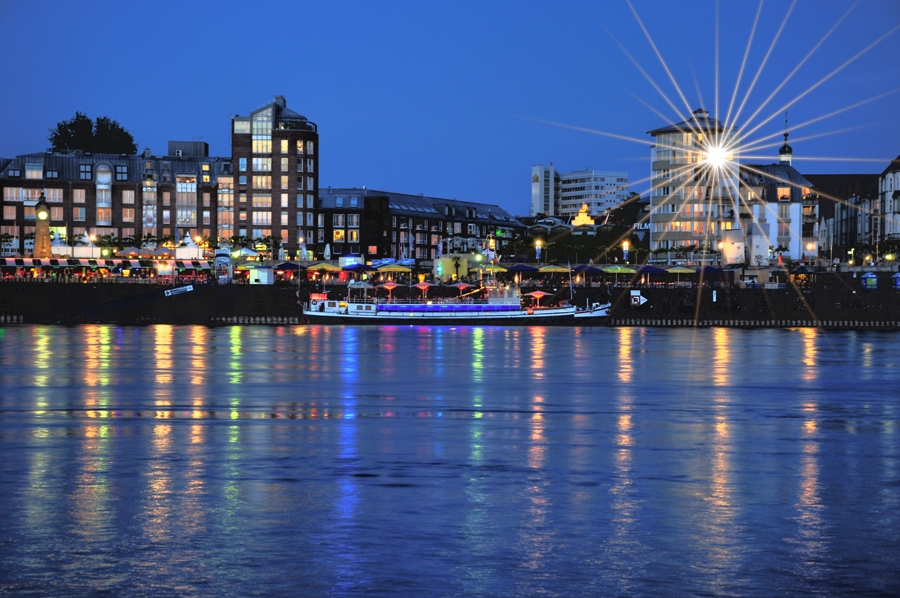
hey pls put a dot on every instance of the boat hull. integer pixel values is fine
(398, 317)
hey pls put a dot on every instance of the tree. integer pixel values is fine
(103, 136)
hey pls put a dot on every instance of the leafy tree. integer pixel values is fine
(103, 136)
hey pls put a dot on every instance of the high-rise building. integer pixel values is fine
(599, 190)
(694, 199)
(557, 194)
(276, 161)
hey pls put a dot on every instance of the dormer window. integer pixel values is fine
(121, 173)
(84, 172)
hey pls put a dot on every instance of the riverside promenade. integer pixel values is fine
(840, 302)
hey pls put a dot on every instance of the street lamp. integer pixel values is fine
(625, 251)
(537, 249)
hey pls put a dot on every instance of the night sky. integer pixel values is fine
(453, 99)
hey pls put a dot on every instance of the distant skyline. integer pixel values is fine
(456, 100)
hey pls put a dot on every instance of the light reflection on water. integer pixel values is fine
(469, 461)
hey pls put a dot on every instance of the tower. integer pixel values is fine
(42, 229)
(786, 153)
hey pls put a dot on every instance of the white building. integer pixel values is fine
(557, 194)
(889, 191)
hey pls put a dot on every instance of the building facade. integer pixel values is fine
(364, 224)
(691, 202)
(599, 190)
(562, 195)
(127, 197)
(889, 200)
(275, 152)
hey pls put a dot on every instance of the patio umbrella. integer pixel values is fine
(537, 295)
(360, 268)
(394, 268)
(289, 266)
(423, 286)
(323, 267)
(129, 252)
(495, 268)
(618, 269)
(553, 269)
(679, 270)
(587, 269)
(390, 286)
(163, 252)
(246, 252)
(462, 286)
(521, 268)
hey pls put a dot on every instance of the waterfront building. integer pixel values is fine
(889, 200)
(112, 196)
(703, 198)
(276, 156)
(363, 224)
(563, 194)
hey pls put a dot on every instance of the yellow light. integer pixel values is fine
(625, 244)
(299, 239)
(889, 257)
(538, 243)
(721, 245)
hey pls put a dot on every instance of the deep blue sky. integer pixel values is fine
(446, 99)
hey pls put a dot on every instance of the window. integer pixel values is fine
(56, 214)
(353, 220)
(167, 217)
(206, 199)
(242, 216)
(284, 201)
(337, 220)
(84, 172)
(310, 165)
(284, 165)
(339, 202)
(34, 171)
(262, 182)
(310, 184)
(299, 147)
(338, 236)
(284, 146)
(53, 195)
(262, 218)
(310, 202)
(242, 164)
(309, 148)
(15, 172)
(262, 201)
(321, 220)
(78, 214)
(784, 192)
(167, 198)
(284, 182)
(262, 145)
(128, 196)
(242, 179)
(353, 236)
(354, 201)
(373, 249)
(127, 214)
(262, 164)
(299, 183)
(9, 212)
(206, 217)
(52, 174)
(104, 216)
(242, 127)
(284, 219)
(309, 219)
(121, 173)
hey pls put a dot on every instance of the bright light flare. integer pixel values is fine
(716, 156)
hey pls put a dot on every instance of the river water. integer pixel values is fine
(417, 461)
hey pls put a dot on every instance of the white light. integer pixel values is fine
(716, 156)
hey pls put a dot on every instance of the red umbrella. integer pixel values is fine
(423, 286)
(390, 286)
(537, 295)
(462, 286)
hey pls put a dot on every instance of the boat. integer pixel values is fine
(501, 306)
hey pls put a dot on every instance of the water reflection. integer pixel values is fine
(625, 366)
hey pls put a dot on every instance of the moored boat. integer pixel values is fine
(501, 306)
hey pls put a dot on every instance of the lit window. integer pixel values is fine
(338, 235)
(128, 196)
(78, 214)
(284, 146)
(34, 171)
(128, 215)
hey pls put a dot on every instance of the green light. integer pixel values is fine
(479, 257)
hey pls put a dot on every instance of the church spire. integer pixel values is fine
(786, 152)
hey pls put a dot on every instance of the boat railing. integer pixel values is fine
(411, 301)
